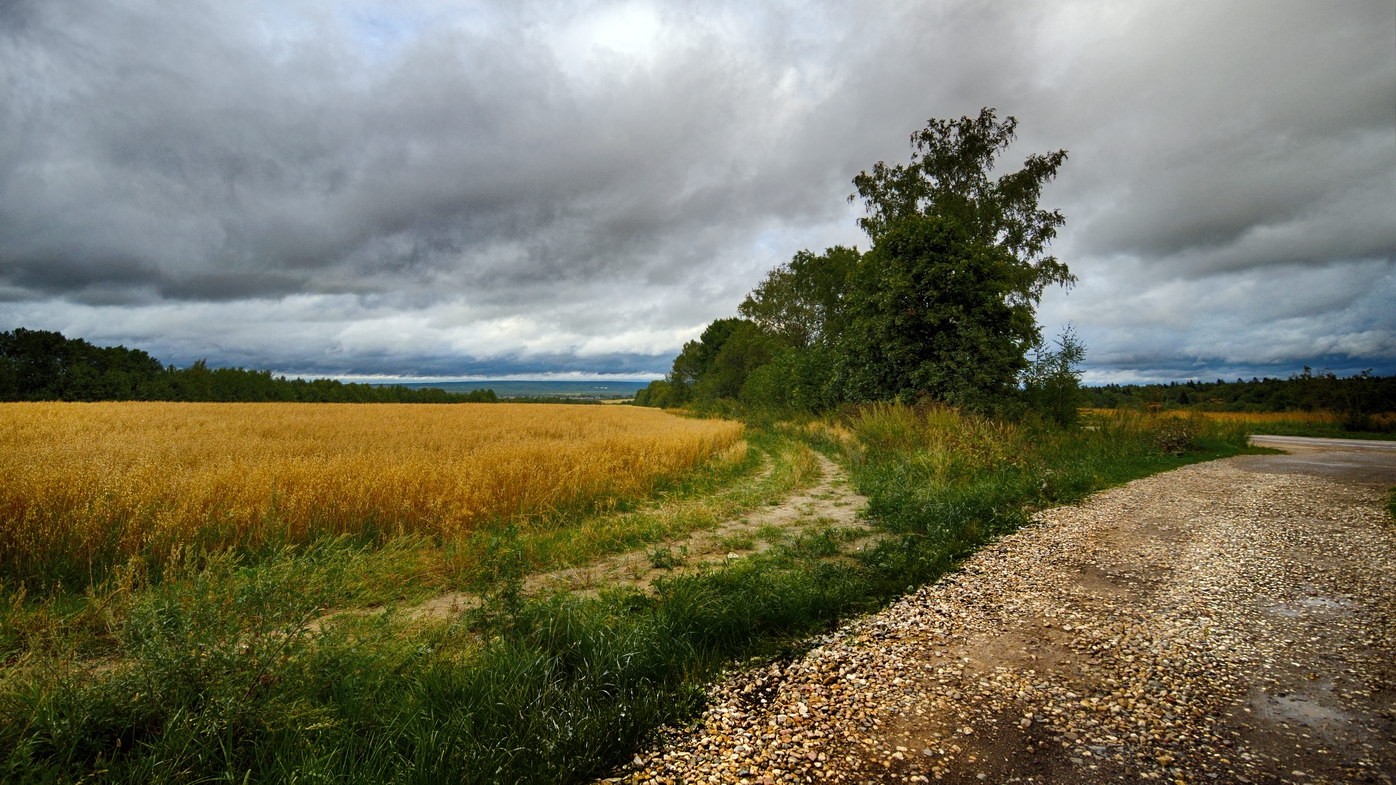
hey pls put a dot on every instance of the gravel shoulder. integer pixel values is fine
(1233, 621)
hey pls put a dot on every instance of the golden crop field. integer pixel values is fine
(91, 483)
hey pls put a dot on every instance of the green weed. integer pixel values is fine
(737, 542)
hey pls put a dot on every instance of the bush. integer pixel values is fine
(1177, 435)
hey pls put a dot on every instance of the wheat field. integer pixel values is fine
(87, 484)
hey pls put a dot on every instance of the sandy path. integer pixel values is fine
(830, 501)
(1226, 622)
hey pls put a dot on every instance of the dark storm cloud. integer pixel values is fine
(1244, 135)
(371, 187)
(190, 139)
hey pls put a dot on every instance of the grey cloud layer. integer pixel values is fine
(395, 187)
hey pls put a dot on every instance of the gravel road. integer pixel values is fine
(1233, 621)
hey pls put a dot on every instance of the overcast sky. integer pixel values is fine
(428, 188)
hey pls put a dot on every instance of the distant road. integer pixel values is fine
(1354, 460)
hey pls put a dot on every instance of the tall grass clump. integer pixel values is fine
(950, 480)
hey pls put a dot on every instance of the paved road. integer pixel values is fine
(1352, 460)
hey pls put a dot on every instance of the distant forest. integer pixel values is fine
(1306, 391)
(38, 365)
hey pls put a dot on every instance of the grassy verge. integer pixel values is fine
(1320, 430)
(219, 674)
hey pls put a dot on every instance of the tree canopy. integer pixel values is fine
(942, 305)
(949, 175)
(805, 300)
(933, 315)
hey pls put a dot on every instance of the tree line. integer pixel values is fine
(39, 365)
(941, 307)
(1309, 390)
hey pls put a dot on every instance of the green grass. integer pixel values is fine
(705, 500)
(216, 673)
(737, 542)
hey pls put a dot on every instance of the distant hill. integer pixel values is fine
(586, 390)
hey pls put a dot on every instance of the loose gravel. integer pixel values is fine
(1211, 624)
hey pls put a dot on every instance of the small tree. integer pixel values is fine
(1052, 381)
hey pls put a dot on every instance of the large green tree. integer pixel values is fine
(942, 305)
(934, 315)
(696, 360)
(944, 302)
(951, 175)
(803, 307)
(746, 348)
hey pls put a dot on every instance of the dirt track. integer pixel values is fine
(830, 501)
(1227, 622)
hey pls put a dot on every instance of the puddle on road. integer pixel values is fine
(1307, 606)
(1307, 710)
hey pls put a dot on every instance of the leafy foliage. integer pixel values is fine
(804, 301)
(934, 316)
(949, 176)
(1052, 381)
